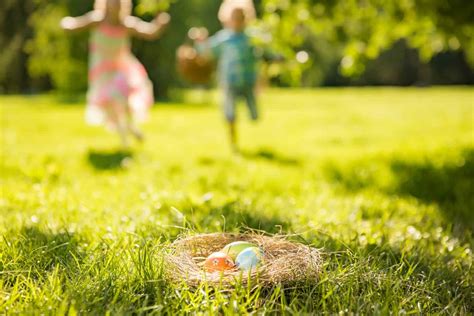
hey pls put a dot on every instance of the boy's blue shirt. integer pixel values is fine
(236, 58)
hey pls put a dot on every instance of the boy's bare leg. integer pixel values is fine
(252, 103)
(229, 111)
(233, 136)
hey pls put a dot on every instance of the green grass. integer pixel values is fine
(380, 179)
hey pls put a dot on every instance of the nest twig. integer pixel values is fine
(285, 262)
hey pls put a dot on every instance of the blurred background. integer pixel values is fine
(325, 43)
(380, 179)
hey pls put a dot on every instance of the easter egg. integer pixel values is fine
(233, 249)
(218, 261)
(249, 258)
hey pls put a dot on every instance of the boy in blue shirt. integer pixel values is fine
(237, 74)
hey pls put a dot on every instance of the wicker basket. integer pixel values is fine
(193, 67)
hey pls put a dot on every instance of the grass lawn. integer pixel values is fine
(380, 179)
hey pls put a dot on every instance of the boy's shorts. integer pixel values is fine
(231, 96)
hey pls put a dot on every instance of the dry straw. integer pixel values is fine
(285, 262)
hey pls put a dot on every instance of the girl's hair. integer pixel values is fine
(125, 6)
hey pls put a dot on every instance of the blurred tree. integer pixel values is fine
(325, 42)
(61, 57)
(13, 35)
(362, 29)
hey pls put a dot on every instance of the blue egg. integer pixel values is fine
(249, 258)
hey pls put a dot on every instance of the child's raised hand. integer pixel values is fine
(68, 23)
(198, 34)
(148, 30)
(162, 19)
(81, 22)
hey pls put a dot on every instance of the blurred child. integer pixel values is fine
(236, 67)
(120, 91)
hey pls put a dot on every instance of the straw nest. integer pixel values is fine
(285, 262)
(193, 67)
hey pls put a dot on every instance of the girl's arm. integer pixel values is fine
(145, 30)
(83, 22)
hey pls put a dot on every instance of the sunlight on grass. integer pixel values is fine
(380, 179)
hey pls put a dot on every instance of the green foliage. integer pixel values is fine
(13, 35)
(152, 6)
(380, 179)
(364, 29)
(54, 54)
(319, 39)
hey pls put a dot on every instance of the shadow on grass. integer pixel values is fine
(240, 216)
(40, 252)
(206, 161)
(233, 216)
(404, 278)
(112, 160)
(268, 155)
(451, 186)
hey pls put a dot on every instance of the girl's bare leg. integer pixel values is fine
(123, 137)
(133, 129)
(121, 128)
